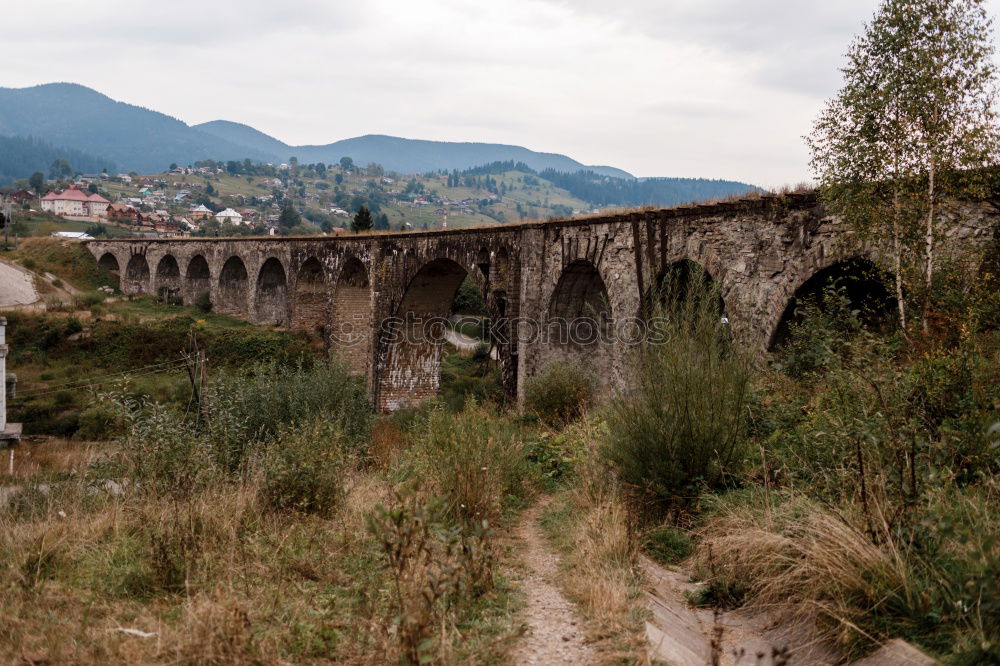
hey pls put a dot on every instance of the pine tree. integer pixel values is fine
(915, 115)
(362, 220)
(289, 217)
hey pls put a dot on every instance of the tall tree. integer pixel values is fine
(362, 220)
(37, 182)
(904, 135)
(289, 217)
(60, 169)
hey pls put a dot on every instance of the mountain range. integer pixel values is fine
(97, 129)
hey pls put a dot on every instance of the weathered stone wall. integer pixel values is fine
(363, 292)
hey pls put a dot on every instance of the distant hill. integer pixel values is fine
(139, 139)
(402, 155)
(71, 115)
(22, 156)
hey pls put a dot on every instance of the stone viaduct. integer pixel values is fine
(371, 296)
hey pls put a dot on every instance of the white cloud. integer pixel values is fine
(715, 88)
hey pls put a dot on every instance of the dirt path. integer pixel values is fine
(555, 634)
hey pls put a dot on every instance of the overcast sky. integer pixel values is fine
(710, 88)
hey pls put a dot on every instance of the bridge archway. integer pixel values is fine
(197, 278)
(579, 324)
(272, 294)
(109, 262)
(864, 283)
(412, 369)
(168, 277)
(233, 295)
(351, 317)
(310, 301)
(136, 275)
(678, 281)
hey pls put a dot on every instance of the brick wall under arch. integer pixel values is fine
(411, 347)
(271, 302)
(232, 296)
(351, 317)
(311, 299)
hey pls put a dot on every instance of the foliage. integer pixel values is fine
(289, 217)
(469, 299)
(476, 461)
(667, 544)
(560, 393)
(362, 220)
(916, 113)
(681, 426)
(437, 567)
(203, 301)
(303, 471)
(256, 403)
(22, 156)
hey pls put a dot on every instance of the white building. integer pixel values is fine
(75, 202)
(229, 215)
(8, 431)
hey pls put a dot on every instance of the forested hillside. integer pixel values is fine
(22, 156)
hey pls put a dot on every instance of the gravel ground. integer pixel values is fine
(555, 631)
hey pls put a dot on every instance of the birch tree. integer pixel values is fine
(905, 135)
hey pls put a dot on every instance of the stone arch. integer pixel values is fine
(197, 278)
(233, 294)
(168, 277)
(674, 283)
(136, 275)
(578, 327)
(310, 301)
(351, 317)
(272, 294)
(412, 368)
(483, 262)
(865, 284)
(109, 262)
(500, 279)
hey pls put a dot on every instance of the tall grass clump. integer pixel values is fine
(560, 393)
(253, 405)
(476, 459)
(679, 428)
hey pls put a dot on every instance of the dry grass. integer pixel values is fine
(591, 526)
(215, 578)
(44, 456)
(804, 561)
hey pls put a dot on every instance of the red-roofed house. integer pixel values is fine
(74, 201)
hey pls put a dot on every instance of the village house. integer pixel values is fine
(74, 202)
(119, 212)
(22, 196)
(229, 216)
(200, 213)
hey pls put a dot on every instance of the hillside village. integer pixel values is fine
(241, 198)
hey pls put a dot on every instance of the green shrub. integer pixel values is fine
(680, 426)
(560, 393)
(820, 336)
(469, 300)
(203, 301)
(477, 461)
(101, 420)
(255, 405)
(303, 470)
(481, 352)
(667, 545)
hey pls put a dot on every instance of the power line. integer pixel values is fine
(90, 380)
(124, 375)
